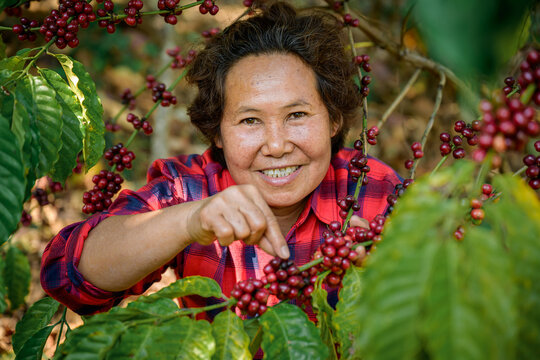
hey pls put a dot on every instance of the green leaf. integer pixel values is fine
(254, 330)
(36, 317)
(17, 276)
(93, 127)
(288, 334)
(25, 128)
(3, 290)
(346, 319)
(92, 341)
(6, 106)
(325, 313)
(49, 123)
(516, 217)
(11, 180)
(469, 310)
(136, 343)
(232, 342)
(10, 3)
(33, 348)
(2, 49)
(159, 307)
(397, 274)
(11, 68)
(178, 338)
(193, 285)
(24, 51)
(71, 137)
(473, 38)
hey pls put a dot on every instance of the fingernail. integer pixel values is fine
(285, 252)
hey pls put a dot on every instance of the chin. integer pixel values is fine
(282, 201)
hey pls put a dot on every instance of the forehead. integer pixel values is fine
(278, 75)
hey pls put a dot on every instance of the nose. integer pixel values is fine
(277, 140)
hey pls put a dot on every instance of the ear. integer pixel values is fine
(336, 126)
(218, 142)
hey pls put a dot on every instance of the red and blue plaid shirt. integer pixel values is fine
(189, 178)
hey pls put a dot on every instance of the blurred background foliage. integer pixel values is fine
(481, 41)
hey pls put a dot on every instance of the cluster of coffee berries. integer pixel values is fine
(159, 92)
(140, 123)
(416, 148)
(107, 181)
(207, 34)
(119, 156)
(358, 165)
(106, 184)
(337, 254)
(286, 281)
(505, 126)
(248, 3)
(132, 11)
(23, 30)
(477, 213)
(454, 144)
(109, 126)
(399, 189)
(26, 218)
(56, 24)
(371, 135)
(170, 18)
(533, 167)
(510, 85)
(128, 99)
(530, 74)
(41, 196)
(107, 11)
(180, 61)
(252, 296)
(487, 192)
(350, 21)
(208, 6)
(347, 203)
(14, 11)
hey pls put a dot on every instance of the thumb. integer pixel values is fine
(358, 221)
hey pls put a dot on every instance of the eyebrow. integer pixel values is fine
(244, 109)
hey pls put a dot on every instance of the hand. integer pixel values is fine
(237, 213)
(358, 221)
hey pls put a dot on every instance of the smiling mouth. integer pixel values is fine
(281, 172)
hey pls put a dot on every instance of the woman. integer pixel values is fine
(276, 99)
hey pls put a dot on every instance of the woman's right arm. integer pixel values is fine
(124, 249)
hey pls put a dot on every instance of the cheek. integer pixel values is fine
(240, 147)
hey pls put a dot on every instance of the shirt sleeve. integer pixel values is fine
(60, 277)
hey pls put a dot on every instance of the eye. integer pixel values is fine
(249, 121)
(297, 115)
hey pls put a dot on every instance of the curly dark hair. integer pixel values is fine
(315, 37)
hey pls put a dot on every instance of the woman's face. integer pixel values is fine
(275, 131)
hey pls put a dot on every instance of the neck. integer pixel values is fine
(287, 216)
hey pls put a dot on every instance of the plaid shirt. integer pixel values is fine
(189, 178)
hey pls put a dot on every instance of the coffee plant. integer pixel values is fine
(450, 271)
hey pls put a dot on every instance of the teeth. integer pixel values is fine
(277, 173)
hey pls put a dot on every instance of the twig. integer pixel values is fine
(438, 99)
(63, 320)
(399, 98)
(412, 57)
(520, 171)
